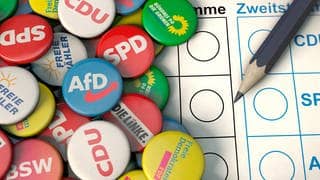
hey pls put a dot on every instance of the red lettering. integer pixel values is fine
(108, 172)
(99, 152)
(95, 14)
(84, 8)
(96, 132)
(67, 2)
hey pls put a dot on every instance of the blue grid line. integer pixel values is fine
(244, 104)
(298, 113)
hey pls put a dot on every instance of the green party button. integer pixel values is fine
(169, 22)
(7, 8)
(152, 84)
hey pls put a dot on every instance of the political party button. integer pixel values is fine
(169, 22)
(39, 119)
(5, 154)
(35, 159)
(7, 8)
(88, 18)
(138, 117)
(134, 18)
(98, 150)
(66, 50)
(152, 84)
(23, 7)
(24, 38)
(47, 8)
(92, 87)
(134, 175)
(126, 7)
(19, 94)
(170, 124)
(173, 155)
(129, 48)
(60, 130)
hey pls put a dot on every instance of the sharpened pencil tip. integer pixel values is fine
(238, 96)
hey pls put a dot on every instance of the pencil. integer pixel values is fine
(274, 45)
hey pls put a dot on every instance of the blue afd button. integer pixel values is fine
(126, 7)
(92, 87)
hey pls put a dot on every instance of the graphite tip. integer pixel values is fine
(238, 96)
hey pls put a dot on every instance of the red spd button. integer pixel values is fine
(129, 48)
(64, 124)
(35, 159)
(24, 38)
(5, 154)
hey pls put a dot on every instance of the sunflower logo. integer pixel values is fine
(49, 66)
(8, 79)
(151, 79)
(182, 23)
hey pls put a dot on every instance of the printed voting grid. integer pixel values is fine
(273, 133)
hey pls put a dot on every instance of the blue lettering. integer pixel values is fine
(301, 42)
(252, 9)
(314, 163)
(312, 40)
(306, 99)
(241, 8)
(316, 98)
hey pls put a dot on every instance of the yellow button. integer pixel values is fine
(173, 155)
(134, 175)
(47, 8)
(39, 119)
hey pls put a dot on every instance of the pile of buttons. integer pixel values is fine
(80, 97)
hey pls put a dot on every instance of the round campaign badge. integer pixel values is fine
(35, 159)
(66, 50)
(169, 22)
(24, 38)
(88, 18)
(62, 127)
(98, 150)
(6, 154)
(152, 84)
(138, 117)
(129, 48)
(47, 8)
(136, 19)
(173, 155)
(134, 175)
(125, 7)
(19, 94)
(39, 119)
(7, 8)
(23, 7)
(92, 87)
